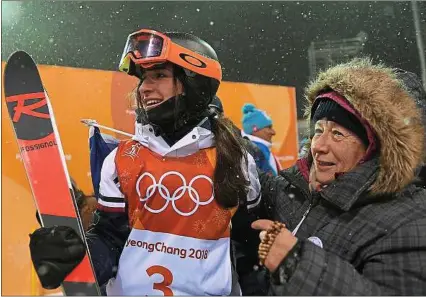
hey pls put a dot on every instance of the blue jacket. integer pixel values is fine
(266, 162)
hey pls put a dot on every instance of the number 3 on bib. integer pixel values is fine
(167, 279)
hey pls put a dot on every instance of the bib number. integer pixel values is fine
(167, 279)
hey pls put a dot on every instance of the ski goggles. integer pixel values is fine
(148, 48)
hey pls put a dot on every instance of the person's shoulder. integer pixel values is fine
(259, 144)
(126, 142)
(404, 206)
(285, 178)
(125, 146)
(291, 173)
(414, 196)
(252, 148)
(290, 170)
(405, 212)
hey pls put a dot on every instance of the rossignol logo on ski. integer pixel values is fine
(38, 146)
(28, 109)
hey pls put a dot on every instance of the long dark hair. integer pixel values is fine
(229, 181)
(230, 184)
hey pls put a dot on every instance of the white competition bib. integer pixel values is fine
(155, 263)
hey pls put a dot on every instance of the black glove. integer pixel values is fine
(55, 252)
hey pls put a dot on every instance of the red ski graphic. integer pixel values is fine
(28, 109)
(43, 157)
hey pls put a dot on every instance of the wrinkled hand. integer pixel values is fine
(283, 243)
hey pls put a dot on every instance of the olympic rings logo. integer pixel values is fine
(176, 195)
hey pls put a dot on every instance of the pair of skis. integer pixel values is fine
(41, 151)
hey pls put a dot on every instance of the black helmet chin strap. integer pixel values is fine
(171, 120)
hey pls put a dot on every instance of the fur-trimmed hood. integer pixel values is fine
(382, 100)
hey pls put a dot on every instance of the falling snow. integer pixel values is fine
(257, 42)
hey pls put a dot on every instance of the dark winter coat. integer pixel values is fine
(364, 234)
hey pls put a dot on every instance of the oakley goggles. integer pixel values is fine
(148, 48)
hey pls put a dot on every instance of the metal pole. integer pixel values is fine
(419, 39)
(90, 122)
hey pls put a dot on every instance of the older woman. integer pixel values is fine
(349, 220)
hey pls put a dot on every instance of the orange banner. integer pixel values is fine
(76, 94)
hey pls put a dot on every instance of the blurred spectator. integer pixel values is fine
(257, 127)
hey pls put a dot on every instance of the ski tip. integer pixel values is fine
(19, 59)
(21, 75)
(19, 55)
